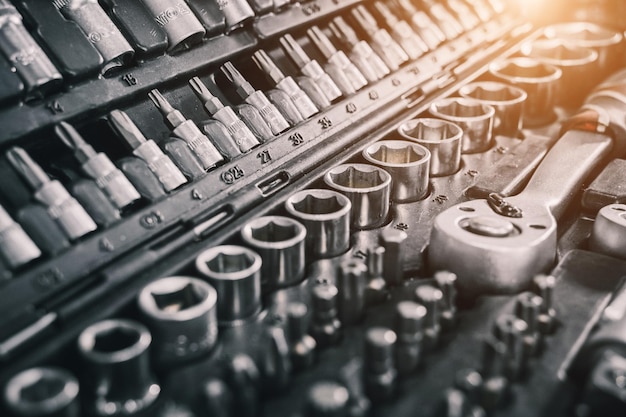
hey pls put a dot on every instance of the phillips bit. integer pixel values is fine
(256, 98)
(186, 129)
(27, 58)
(402, 32)
(361, 53)
(99, 167)
(423, 24)
(303, 102)
(16, 247)
(99, 29)
(310, 68)
(62, 207)
(385, 46)
(345, 74)
(238, 130)
(167, 173)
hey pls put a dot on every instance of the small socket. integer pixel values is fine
(368, 188)
(407, 162)
(326, 216)
(235, 272)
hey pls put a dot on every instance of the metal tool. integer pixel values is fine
(463, 14)
(407, 162)
(423, 24)
(430, 297)
(326, 328)
(393, 260)
(253, 118)
(511, 331)
(181, 313)
(345, 74)
(385, 46)
(368, 188)
(166, 172)
(326, 216)
(235, 272)
(99, 167)
(182, 26)
(446, 282)
(237, 13)
(116, 359)
(528, 308)
(441, 137)
(35, 69)
(186, 130)
(302, 345)
(239, 132)
(280, 243)
(474, 118)
(352, 283)
(379, 368)
(507, 101)
(256, 98)
(327, 399)
(95, 202)
(361, 53)
(16, 247)
(61, 206)
(100, 30)
(443, 19)
(305, 105)
(408, 325)
(609, 231)
(498, 245)
(43, 391)
(402, 32)
(310, 68)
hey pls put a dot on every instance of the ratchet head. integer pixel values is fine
(493, 253)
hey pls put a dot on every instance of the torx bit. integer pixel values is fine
(238, 130)
(423, 24)
(100, 30)
(310, 67)
(402, 32)
(99, 167)
(62, 207)
(186, 129)
(385, 46)
(16, 247)
(303, 102)
(256, 98)
(26, 57)
(361, 53)
(347, 76)
(166, 172)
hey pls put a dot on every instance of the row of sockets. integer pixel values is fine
(116, 34)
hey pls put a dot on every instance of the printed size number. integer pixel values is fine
(264, 156)
(296, 139)
(233, 174)
(325, 122)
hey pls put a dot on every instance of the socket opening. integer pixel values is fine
(494, 92)
(42, 389)
(353, 177)
(186, 297)
(430, 130)
(312, 204)
(273, 231)
(230, 262)
(396, 155)
(115, 339)
(458, 108)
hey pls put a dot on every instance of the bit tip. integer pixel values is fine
(126, 129)
(211, 103)
(72, 139)
(160, 102)
(27, 167)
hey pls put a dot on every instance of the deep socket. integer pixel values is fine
(181, 313)
(43, 391)
(368, 188)
(177, 20)
(326, 216)
(280, 243)
(118, 379)
(407, 162)
(235, 272)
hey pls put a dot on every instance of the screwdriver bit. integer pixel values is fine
(385, 46)
(256, 98)
(167, 173)
(423, 24)
(185, 129)
(402, 32)
(347, 76)
(310, 68)
(446, 22)
(252, 117)
(361, 53)
(303, 103)
(27, 58)
(238, 130)
(62, 207)
(99, 167)
(16, 247)
(99, 29)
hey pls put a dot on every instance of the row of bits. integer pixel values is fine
(104, 35)
(518, 335)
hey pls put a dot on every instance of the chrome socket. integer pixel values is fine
(43, 391)
(235, 272)
(507, 100)
(280, 243)
(473, 117)
(326, 216)
(368, 189)
(441, 138)
(407, 162)
(578, 64)
(181, 313)
(609, 231)
(538, 79)
(117, 367)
